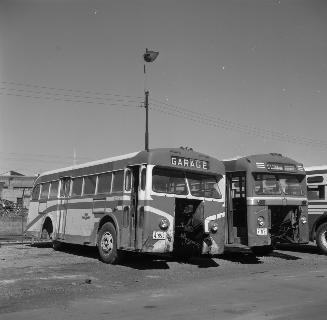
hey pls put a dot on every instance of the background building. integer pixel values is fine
(16, 187)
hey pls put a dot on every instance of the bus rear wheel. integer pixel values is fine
(321, 237)
(107, 243)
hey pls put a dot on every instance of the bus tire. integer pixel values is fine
(262, 250)
(321, 237)
(107, 243)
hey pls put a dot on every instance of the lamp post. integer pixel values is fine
(148, 56)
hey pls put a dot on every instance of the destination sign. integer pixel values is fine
(189, 163)
(281, 167)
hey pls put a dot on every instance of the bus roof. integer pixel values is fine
(269, 162)
(316, 169)
(161, 156)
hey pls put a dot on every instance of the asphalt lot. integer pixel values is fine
(37, 282)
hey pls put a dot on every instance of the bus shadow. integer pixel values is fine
(148, 261)
(240, 257)
(283, 256)
(304, 248)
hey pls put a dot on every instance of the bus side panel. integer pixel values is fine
(33, 220)
(214, 211)
(304, 228)
(255, 239)
(79, 220)
(154, 211)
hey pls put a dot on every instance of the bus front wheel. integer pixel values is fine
(107, 243)
(321, 237)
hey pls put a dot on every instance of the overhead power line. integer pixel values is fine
(117, 104)
(96, 93)
(214, 121)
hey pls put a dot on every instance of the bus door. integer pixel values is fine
(236, 208)
(63, 204)
(130, 202)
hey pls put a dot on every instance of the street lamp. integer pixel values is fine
(148, 56)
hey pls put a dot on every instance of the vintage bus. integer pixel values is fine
(317, 181)
(266, 202)
(157, 201)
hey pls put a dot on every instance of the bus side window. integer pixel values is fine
(118, 183)
(54, 189)
(104, 182)
(45, 191)
(143, 178)
(128, 180)
(77, 186)
(36, 192)
(316, 192)
(89, 184)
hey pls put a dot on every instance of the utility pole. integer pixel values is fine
(146, 105)
(148, 56)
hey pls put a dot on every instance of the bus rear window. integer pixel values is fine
(168, 181)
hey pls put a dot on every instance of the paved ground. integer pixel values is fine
(40, 283)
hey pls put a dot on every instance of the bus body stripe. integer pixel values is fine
(160, 213)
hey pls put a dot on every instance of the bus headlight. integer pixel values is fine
(303, 220)
(261, 221)
(164, 224)
(213, 226)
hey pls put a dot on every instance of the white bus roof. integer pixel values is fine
(316, 168)
(92, 163)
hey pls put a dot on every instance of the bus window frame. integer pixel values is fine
(128, 171)
(110, 187)
(38, 194)
(114, 173)
(50, 191)
(41, 192)
(84, 184)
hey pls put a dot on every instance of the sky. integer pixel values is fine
(233, 78)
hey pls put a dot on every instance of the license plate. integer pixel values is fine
(159, 235)
(262, 231)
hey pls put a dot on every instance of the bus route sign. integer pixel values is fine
(189, 163)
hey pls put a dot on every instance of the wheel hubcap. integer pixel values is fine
(107, 242)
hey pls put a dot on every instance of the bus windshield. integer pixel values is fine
(276, 184)
(177, 182)
(203, 186)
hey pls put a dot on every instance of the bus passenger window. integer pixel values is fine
(89, 184)
(36, 192)
(104, 182)
(128, 180)
(118, 182)
(143, 178)
(77, 186)
(54, 189)
(316, 192)
(45, 190)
